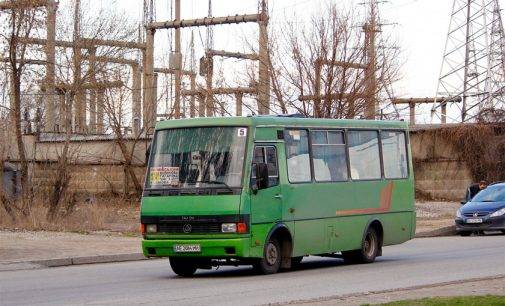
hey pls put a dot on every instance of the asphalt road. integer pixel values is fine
(417, 262)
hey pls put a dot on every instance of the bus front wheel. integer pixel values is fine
(183, 266)
(271, 260)
(369, 249)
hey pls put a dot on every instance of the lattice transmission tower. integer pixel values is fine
(472, 76)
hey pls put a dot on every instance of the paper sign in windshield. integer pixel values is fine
(164, 175)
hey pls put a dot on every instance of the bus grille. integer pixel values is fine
(193, 228)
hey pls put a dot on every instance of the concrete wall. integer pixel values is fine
(438, 171)
(97, 164)
(87, 179)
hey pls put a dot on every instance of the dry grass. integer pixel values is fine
(101, 214)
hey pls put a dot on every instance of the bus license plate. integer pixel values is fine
(474, 220)
(187, 248)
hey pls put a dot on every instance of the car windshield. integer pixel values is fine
(197, 158)
(491, 194)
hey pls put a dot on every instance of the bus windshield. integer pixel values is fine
(199, 157)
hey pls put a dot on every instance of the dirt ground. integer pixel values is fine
(494, 286)
(434, 215)
(20, 246)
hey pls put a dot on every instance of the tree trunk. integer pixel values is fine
(16, 117)
(128, 161)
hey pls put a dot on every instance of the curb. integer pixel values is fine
(70, 261)
(339, 299)
(439, 232)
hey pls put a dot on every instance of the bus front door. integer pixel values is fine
(266, 204)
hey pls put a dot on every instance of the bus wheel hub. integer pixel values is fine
(271, 253)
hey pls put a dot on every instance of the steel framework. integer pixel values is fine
(473, 65)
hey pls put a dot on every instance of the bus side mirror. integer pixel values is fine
(462, 202)
(261, 177)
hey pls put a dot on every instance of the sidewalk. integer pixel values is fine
(27, 249)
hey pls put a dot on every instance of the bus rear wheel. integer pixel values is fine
(183, 266)
(271, 260)
(369, 249)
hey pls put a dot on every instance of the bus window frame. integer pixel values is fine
(344, 134)
(379, 144)
(348, 159)
(311, 165)
(264, 147)
(246, 150)
(407, 154)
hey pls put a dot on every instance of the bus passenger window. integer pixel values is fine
(297, 154)
(394, 154)
(330, 158)
(364, 155)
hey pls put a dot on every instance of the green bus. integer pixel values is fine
(268, 190)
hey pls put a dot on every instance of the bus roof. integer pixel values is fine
(280, 121)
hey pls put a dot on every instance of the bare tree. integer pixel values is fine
(319, 68)
(117, 109)
(77, 72)
(22, 20)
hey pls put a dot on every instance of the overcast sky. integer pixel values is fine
(420, 27)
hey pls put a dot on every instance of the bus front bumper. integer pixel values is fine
(213, 248)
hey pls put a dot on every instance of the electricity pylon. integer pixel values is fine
(473, 65)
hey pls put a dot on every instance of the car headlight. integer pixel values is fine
(499, 212)
(151, 228)
(229, 227)
(458, 213)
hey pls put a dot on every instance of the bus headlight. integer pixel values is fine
(229, 227)
(151, 228)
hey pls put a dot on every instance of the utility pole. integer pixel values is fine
(80, 107)
(49, 48)
(50, 101)
(264, 62)
(93, 93)
(192, 109)
(178, 62)
(209, 68)
(149, 113)
(211, 21)
(412, 102)
(371, 30)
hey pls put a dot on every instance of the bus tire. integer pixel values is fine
(183, 266)
(369, 249)
(271, 260)
(465, 234)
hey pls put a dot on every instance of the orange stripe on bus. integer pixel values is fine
(384, 205)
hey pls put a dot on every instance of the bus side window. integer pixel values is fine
(394, 154)
(297, 156)
(268, 155)
(364, 156)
